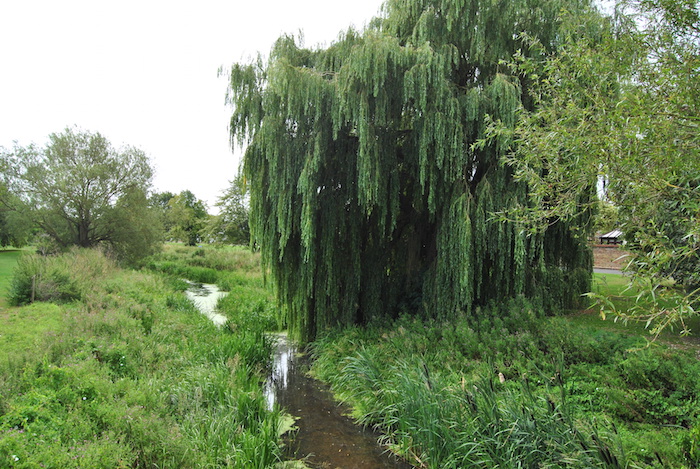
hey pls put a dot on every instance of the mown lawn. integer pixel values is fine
(617, 288)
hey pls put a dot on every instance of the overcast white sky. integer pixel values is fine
(144, 73)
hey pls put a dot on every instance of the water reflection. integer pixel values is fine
(278, 380)
(205, 296)
(325, 436)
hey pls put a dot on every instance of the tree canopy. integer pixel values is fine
(230, 226)
(623, 106)
(186, 217)
(81, 191)
(368, 195)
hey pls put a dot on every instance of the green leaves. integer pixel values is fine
(77, 186)
(369, 196)
(619, 104)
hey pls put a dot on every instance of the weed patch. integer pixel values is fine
(511, 388)
(129, 374)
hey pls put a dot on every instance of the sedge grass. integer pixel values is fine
(130, 375)
(497, 391)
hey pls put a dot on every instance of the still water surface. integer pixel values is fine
(326, 437)
(205, 296)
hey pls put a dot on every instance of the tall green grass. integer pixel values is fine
(8, 260)
(510, 388)
(250, 303)
(56, 278)
(205, 264)
(129, 374)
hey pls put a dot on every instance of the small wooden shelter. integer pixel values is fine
(613, 237)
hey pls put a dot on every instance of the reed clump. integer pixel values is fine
(508, 387)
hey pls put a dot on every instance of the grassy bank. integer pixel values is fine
(126, 373)
(118, 369)
(8, 260)
(509, 388)
(249, 303)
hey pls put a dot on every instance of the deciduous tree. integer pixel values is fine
(76, 189)
(230, 226)
(368, 195)
(623, 105)
(186, 217)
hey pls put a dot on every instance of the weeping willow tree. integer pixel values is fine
(369, 196)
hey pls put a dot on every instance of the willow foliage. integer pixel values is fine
(368, 195)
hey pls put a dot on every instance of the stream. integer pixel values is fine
(325, 436)
(205, 296)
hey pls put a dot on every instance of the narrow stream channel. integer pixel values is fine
(326, 438)
(205, 296)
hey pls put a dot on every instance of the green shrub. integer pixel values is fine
(665, 385)
(37, 278)
(689, 442)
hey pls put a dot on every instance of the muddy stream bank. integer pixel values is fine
(325, 437)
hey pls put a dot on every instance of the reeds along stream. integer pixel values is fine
(325, 436)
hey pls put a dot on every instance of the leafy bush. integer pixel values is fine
(665, 386)
(41, 279)
(689, 443)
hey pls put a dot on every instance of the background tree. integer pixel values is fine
(76, 188)
(140, 230)
(230, 226)
(606, 217)
(186, 217)
(368, 195)
(15, 229)
(160, 201)
(625, 106)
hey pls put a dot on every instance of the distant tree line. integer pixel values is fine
(185, 218)
(79, 190)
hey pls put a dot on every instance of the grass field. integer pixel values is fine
(615, 287)
(8, 259)
(128, 374)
